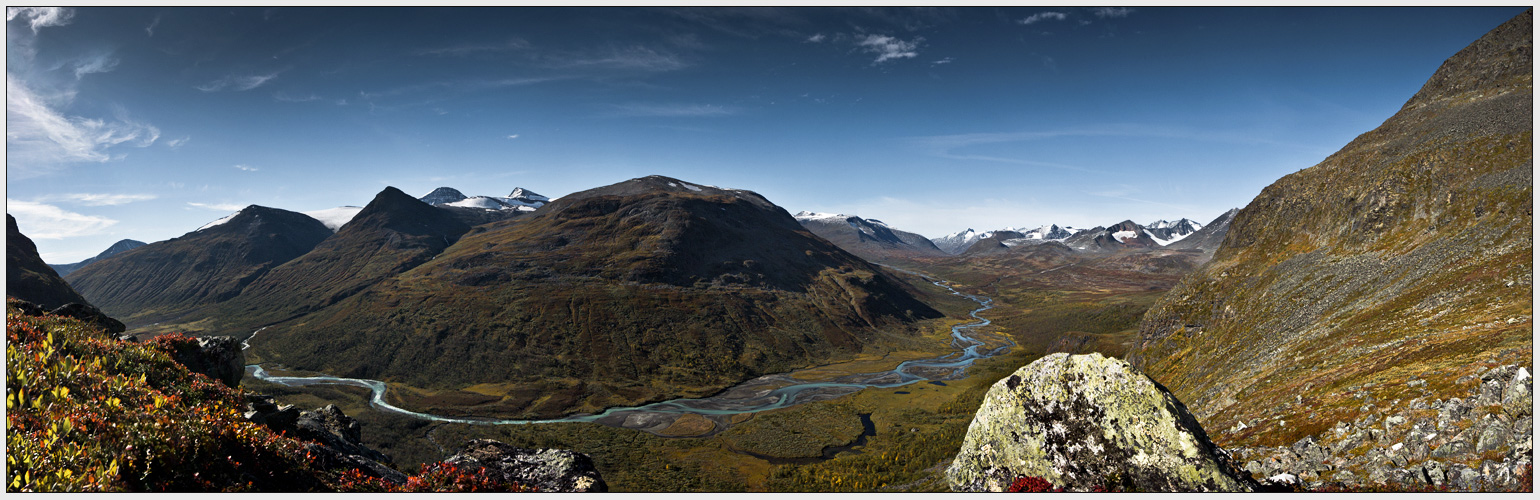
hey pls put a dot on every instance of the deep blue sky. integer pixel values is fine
(146, 123)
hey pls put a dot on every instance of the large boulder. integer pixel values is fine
(90, 314)
(546, 469)
(220, 358)
(1086, 422)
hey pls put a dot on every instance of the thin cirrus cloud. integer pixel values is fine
(466, 49)
(48, 222)
(1044, 16)
(222, 207)
(634, 58)
(40, 138)
(96, 63)
(246, 168)
(1106, 12)
(97, 199)
(889, 48)
(237, 83)
(674, 110)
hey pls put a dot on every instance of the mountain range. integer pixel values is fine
(870, 239)
(645, 289)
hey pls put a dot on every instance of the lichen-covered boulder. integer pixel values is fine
(1086, 422)
(546, 469)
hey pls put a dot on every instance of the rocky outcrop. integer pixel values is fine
(27, 277)
(1481, 442)
(220, 358)
(336, 438)
(1084, 423)
(83, 312)
(90, 314)
(547, 469)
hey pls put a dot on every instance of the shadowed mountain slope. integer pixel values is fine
(642, 290)
(1404, 256)
(869, 239)
(213, 264)
(392, 234)
(27, 277)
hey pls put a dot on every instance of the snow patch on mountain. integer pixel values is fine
(520, 199)
(335, 218)
(221, 220)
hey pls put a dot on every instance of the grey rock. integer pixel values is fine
(1346, 478)
(1494, 436)
(1452, 448)
(1491, 394)
(1078, 421)
(1464, 478)
(1435, 473)
(547, 469)
(1518, 399)
(219, 358)
(1500, 374)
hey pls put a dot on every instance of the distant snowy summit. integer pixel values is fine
(1159, 233)
(520, 199)
(960, 241)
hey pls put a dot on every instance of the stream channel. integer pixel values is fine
(767, 392)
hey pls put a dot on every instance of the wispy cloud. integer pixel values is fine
(238, 83)
(286, 97)
(48, 222)
(889, 48)
(101, 62)
(455, 85)
(1044, 16)
(944, 60)
(39, 137)
(948, 146)
(674, 110)
(40, 17)
(222, 207)
(246, 168)
(633, 58)
(513, 136)
(177, 143)
(1105, 12)
(149, 31)
(817, 38)
(96, 199)
(465, 49)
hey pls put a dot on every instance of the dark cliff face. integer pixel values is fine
(27, 277)
(646, 289)
(1406, 254)
(164, 279)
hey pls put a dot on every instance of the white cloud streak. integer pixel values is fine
(222, 207)
(1105, 12)
(96, 199)
(1044, 16)
(247, 168)
(889, 48)
(149, 31)
(674, 110)
(97, 63)
(634, 58)
(48, 222)
(465, 49)
(40, 17)
(177, 143)
(39, 137)
(237, 83)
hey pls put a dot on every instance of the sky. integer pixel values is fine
(146, 123)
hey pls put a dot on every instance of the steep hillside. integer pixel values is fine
(1384, 274)
(210, 265)
(1209, 237)
(27, 277)
(641, 290)
(116, 248)
(868, 238)
(393, 233)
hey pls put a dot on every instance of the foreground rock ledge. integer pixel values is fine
(1087, 422)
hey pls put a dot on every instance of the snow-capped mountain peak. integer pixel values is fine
(520, 199)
